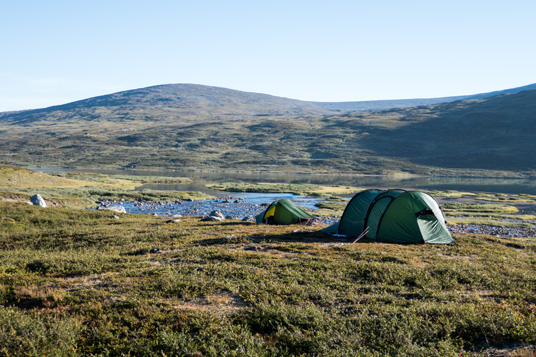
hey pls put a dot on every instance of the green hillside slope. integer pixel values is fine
(495, 133)
(192, 131)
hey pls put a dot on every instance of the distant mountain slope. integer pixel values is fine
(406, 103)
(199, 127)
(496, 133)
(170, 103)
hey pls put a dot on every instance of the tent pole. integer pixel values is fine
(362, 235)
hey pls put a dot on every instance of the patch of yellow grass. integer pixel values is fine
(12, 176)
(18, 177)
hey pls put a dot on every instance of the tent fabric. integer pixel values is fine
(377, 209)
(353, 219)
(395, 216)
(284, 212)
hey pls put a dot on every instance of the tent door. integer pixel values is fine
(430, 227)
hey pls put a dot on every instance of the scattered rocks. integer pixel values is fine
(37, 200)
(493, 231)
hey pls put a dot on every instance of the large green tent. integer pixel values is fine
(284, 212)
(393, 216)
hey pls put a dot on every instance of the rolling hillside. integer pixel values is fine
(170, 103)
(197, 127)
(495, 133)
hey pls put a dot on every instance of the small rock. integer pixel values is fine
(217, 214)
(213, 218)
(115, 216)
(154, 251)
(120, 209)
(37, 200)
(248, 219)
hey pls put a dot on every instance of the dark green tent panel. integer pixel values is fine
(394, 216)
(353, 218)
(284, 212)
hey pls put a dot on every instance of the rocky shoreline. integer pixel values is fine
(239, 208)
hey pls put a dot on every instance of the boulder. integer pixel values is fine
(37, 200)
(214, 216)
(248, 219)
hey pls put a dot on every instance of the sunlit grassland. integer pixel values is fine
(77, 189)
(298, 189)
(76, 282)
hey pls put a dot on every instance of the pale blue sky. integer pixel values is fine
(54, 52)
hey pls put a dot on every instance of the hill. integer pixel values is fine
(168, 104)
(495, 133)
(215, 128)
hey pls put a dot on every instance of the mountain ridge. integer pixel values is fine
(414, 102)
(214, 98)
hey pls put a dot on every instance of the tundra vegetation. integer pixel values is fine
(96, 282)
(194, 127)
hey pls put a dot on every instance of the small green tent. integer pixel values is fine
(393, 216)
(284, 212)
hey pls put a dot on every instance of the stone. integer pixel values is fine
(213, 218)
(37, 200)
(248, 219)
(217, 214)
(120, 209)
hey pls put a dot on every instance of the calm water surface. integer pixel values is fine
(512, 186)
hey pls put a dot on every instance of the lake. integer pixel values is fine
(473, 184)
(200, 178)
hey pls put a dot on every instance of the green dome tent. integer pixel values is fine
(284, 212)
(393, 216)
